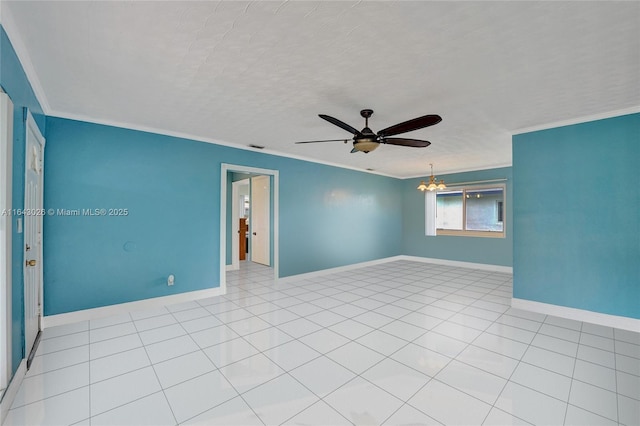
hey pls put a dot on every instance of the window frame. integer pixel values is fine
(464, 232)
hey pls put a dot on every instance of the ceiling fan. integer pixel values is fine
(366, 140)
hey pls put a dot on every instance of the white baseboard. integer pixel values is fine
(89, 314)
(105, 311)
(460, 264)
(12, 390)
(623, 323)
(470, 265)
(328, 271)
(232, 267)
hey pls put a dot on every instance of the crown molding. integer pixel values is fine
(578, 120)
(163, 132)
(463, 170)
(8, 23)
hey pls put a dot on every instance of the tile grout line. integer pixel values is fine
(615, 371)
(155, 374)
(238, 394)
(571, 378)
(468, 344)
(597, 386)
(508, 380)
(575, 363)
(322, 398)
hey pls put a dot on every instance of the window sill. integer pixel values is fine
(483, 234)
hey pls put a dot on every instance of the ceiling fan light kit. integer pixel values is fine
(366, 140)
(365, 145)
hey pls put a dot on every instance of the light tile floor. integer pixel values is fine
(398, 343)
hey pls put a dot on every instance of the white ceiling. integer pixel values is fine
(260, 72)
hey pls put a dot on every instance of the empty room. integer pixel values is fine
(319, 213)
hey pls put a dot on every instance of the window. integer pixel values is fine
(471, 211)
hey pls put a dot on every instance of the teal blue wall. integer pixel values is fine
(334, 217)
(577, 216)
(171, 188)
(493, 251)
(15, 83)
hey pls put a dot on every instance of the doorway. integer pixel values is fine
(263, 246)
(240, 209)
(33, 205)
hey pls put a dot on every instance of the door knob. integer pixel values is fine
(255, 233)
(31, 262)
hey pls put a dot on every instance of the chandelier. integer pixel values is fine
(432, 186)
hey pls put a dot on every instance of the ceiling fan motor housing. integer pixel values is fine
(367, 140)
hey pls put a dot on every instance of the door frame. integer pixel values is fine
(30, 125)
(6, 225)
(235, 226)
(225, 168)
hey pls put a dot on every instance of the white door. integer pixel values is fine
(260, 219)
(33, 207)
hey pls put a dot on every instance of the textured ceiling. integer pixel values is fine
(260, 72)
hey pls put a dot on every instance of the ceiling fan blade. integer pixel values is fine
(407, 126)
(326, 140)
(340, 124)
(416, 143)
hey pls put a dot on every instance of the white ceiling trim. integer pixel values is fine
(188, 136)
(8, 23)
(427, 173)
(578, 120)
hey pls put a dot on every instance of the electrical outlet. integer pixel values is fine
(171, 280)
